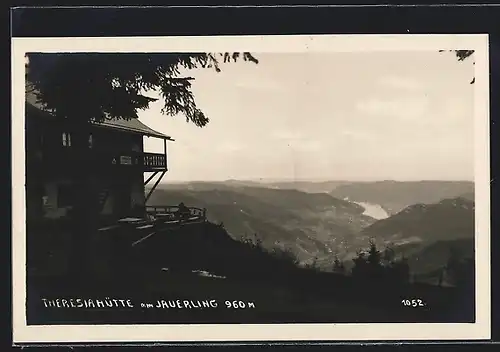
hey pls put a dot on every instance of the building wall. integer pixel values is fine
(109, 205)
(43, 195)
(107, 139)
(138, 196)
(52, 210)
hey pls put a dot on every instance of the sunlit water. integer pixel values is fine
(373, 210)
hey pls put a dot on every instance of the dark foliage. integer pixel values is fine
(339, 266)
(373, 267)
(97, 86)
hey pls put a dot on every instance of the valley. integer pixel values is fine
(420, 220)
(395, 196)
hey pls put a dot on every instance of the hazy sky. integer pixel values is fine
(387, 115)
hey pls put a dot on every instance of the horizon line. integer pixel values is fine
(287, 180)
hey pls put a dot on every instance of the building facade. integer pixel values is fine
(116, 157)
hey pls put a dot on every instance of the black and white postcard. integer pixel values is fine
(251, 188)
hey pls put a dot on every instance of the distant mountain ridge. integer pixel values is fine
(309, 187)
(394, 196)
(303, 186)
(391, 195)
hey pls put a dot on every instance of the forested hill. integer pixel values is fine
(394, 196)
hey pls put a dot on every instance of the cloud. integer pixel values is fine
(384, 115)
(409, 108)
(287, 135)
(399, 82)
(230, 147)
(258, 84)
(296, 141)
(307, 145)
(456, 109)
(357, 135)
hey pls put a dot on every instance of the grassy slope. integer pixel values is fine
(281, 291)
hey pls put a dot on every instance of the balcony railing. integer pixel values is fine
(153, 161)
(64, 157)
(146, 161)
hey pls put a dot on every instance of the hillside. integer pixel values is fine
(201, 261)
(315, 226)
(426, 233)
(394, 196)
(436, 255)
(210, 259)
(469, 195)
(310, 224)
(447, 220)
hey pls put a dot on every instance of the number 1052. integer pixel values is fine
(413, 303)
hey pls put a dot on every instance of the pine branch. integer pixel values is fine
(101, 86)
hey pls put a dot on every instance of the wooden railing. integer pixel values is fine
(153, 160)
(148, 161)
(105, 158)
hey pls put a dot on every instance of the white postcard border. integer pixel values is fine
(255, 332)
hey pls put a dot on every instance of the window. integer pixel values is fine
(66, 139)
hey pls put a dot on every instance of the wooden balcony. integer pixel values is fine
(110, 160)
(146, 161)
(154, 161)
